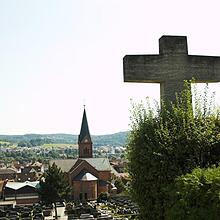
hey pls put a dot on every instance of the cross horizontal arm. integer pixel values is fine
(142, 68)
(204, 68)
(171, 67)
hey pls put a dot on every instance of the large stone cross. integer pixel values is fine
(171, 67)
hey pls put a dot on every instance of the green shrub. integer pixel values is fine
(103, 196)
(196, 196)
(119, 185)
(167, 144)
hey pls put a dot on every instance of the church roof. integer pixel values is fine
(65, 165)
(84, 132)
(100, 164)
(85, 176)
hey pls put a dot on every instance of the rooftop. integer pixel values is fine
(85, 176)
(100, 164)
(19, 185)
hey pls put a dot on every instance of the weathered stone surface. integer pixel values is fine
(171, 67)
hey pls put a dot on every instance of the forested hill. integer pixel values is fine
(98, 140)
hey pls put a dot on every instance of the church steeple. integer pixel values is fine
(84, 139)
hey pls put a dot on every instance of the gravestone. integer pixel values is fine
(171, 67)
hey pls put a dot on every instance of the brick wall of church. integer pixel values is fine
(102, 189)
(105, 175)
(82, 187)
(84, 166)
(85, 150)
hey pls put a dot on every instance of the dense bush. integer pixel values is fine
(196, 196)
(167, 144)
(103, 197)
(119, 185)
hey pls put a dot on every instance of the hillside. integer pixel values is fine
(98, 140)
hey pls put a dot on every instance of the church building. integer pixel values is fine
(88, 176)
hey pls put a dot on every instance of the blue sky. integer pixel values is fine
(57, 55)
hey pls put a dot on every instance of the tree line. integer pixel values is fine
(28, 140)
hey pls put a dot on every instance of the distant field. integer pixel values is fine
(7, 142)
(61, 145)
(4, 142)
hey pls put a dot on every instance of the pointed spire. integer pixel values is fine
(84, 132)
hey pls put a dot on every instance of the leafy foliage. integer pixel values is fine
(119, 185)
(103, 196)
(167, 144)
(196, 196)
(34, 142)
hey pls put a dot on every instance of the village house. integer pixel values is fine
(22, 173)
(21, 193)
(8, 173)
(30, 172)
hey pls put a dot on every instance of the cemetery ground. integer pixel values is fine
(120, 207)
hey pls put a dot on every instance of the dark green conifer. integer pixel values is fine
(54, 186)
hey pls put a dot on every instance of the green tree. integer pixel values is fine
(54, 186)
(196, 196)
(119, 185)
(165, 144)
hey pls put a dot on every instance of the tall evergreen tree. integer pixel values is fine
(54, 186)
